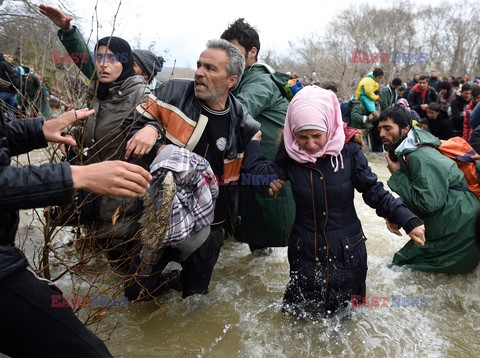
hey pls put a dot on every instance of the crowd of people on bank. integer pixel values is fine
(187, 145)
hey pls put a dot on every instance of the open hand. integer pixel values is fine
(52, 129)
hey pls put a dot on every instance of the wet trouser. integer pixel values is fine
(31, 327)
(194, 277)
(316, 287)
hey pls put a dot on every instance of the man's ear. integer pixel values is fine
(232, 81)
(253, 52)
(405, 130)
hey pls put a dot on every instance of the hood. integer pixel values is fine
(416, 137)
(370, 74)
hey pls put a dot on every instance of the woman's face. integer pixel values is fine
(311, 140)
(108, 65)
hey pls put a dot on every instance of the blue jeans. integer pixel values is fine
(9, 99)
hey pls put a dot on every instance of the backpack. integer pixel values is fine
(24, 74)
(462, 153)
(10, 77)
(345, 107)
(288, 87)
(292, 87)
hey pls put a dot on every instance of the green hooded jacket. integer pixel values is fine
(433, 188)
(265, 221)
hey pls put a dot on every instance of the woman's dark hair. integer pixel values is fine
(399, 116)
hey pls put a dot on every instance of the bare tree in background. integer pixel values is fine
(446, 33)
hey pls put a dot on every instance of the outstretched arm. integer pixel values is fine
(111, 178)
(72, 40)
(417, 234)
(57, 16)
(53, 183)
(256, 163)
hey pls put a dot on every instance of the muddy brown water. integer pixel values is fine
(241, 317)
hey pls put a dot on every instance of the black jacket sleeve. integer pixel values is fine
(412, 101)
(255, 163)
(24, 135)
(34, 187)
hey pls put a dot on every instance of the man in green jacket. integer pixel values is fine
(359, 116)
(362, 119)
(34, 93)
(435, 189)
(265, 221)
(388, 94)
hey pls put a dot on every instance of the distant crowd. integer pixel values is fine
(442, 106)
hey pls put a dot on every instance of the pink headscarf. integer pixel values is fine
(404, 102)
(314, 107)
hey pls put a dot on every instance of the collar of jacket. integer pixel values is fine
(181, 94)
(123, 89)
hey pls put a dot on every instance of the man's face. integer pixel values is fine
(250, 56)
(433, 74)
(212, 83)
(467, 95)
(422, 84)
(476, 99)
(138, 71)
(379, 78)
(415, 77)
(391, 134)
(432, 114)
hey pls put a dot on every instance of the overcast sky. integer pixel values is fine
(184, 26)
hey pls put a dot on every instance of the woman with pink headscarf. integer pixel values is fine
(326, 251)
(402, 102)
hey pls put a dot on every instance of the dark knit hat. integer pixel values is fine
(148, 62)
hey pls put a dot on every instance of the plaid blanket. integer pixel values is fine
(193, 204)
